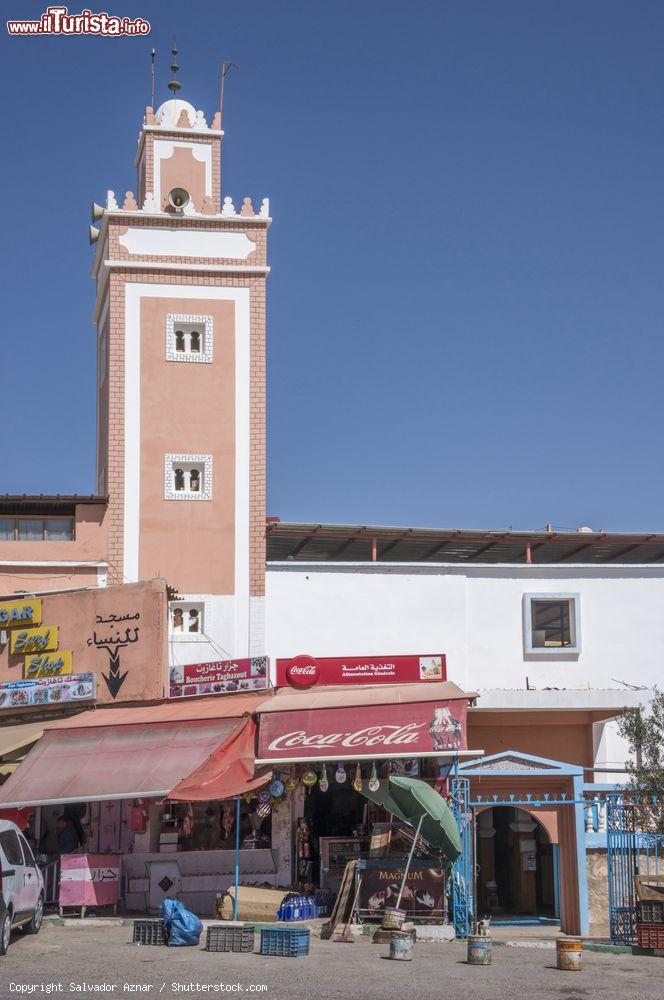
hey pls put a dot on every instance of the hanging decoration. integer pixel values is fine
(357, 780)
(263, 810)
(309, 778)
(292, 782)
(277, 789)
(374, 784)
(340, 773)
(263, 796)
(323, 783)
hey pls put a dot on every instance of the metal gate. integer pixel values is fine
(630, 852)
(463, 870)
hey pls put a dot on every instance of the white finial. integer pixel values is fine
(228, 208)
(265, 209)
(150, 205)
(200, 120)
(111, 203)
(189, 208)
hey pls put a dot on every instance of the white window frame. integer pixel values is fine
(574, 619)
(171, 461)
(186, 604)
(205, 356)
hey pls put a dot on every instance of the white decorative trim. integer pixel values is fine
(205, 356)
(148, 265)
(177, 242)
(55, 563)
(170, 493)
(135, 292)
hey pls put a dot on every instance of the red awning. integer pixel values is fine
(125, 762)
(227, 772)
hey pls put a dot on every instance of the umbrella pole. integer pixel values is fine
(410, 858)
(237, 855)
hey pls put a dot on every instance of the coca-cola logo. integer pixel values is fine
(302, 672)
(371, 736)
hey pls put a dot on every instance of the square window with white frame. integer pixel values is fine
(188, 477)
(189, 338)
(186, 620)
(552, 624)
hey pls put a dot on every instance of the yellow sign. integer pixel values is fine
(26, 612)
(48, 665)
(34, 640)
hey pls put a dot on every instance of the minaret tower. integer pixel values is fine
(180, 315)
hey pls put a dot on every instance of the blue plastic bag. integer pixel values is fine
(182, 927)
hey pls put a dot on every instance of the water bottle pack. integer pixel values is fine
(304, 907)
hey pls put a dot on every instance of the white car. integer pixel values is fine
(22, 896)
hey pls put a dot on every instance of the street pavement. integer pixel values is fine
(101, 960)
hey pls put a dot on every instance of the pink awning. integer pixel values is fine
(229, 771)
(114, 762)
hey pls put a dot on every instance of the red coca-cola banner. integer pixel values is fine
(364, 731)
(305, 671)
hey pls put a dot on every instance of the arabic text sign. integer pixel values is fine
(404, 730)
(86, 879)
(304, 671)
(48, 664)
(48, 691)
(20, 613)
(219, 677)
(42, 639)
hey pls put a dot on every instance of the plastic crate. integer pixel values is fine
(149, 932)
(650, 935)
(230, 938)
(649, 912)
(291, 942)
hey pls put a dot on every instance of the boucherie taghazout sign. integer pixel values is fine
(365, 731)
(219, 677)
(305, 671)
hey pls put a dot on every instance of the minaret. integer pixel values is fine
(180, 314)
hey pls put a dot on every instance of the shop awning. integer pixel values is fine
(13, 739)
(99, 763)
(409, 799)
(227, 772)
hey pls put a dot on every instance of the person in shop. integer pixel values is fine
(68, 839)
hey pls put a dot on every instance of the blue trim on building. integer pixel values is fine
(580, 823)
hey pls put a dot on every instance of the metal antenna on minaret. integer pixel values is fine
(174, 85)
(226, 67)
(153, 54)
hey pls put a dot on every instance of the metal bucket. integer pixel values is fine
(569, 954)
(401, 946)
(393, 919)
(479, 949)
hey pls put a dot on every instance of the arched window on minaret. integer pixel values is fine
(178, 619)
(179, 341)
(194, 481)
(195, 343)
(194, 620)
(179, 479)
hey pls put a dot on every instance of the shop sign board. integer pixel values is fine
(423, 894)
(366, 731)
(26, 612)
(219, 677)
(305, 671)
(89, 879)
(48, 664)
(42, 639)
(48, 691)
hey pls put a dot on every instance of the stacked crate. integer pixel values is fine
(650, 911)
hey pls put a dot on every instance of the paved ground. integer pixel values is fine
(79, 958)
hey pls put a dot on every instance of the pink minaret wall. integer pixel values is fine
(158, 269)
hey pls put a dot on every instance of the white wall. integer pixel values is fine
(474, 615)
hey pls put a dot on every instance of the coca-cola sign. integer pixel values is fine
(404, 730)
(304, 671)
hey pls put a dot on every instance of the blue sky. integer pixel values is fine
(466, 300)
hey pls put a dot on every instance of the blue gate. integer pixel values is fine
(463, 902)
(630, 853)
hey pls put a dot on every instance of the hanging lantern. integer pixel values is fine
(357, 780)
(291, 781)
(277, 789)
(340, 773)
(264, 796)
(263, 810)
(374, 783)
(309, 778)
(323, 783)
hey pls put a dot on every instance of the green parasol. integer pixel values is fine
(417, 804)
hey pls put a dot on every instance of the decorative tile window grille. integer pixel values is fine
(189, 338)
(188, 477)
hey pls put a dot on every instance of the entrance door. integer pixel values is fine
(516, 876)
(165, 882)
